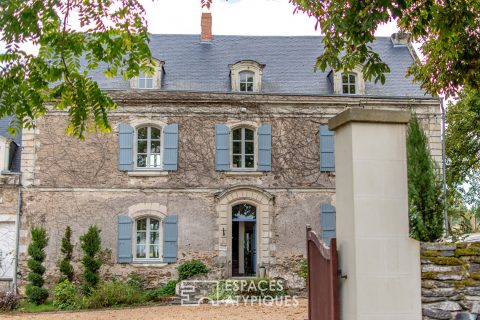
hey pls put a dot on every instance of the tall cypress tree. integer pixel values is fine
(35, 291)
(424, 187)
(90, 243)
(66, 267)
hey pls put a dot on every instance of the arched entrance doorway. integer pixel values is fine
(244, 240)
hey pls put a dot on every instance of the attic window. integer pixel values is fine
(349, 83)
(246, 76)
(148, 82)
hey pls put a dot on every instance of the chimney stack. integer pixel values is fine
(206, 27)
(400, 39)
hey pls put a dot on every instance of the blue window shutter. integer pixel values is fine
(328, 222)
(222, 148)
(170, 235)
(170, 148)
(124, 241)
(125, 147)
(327, 152)
(265, 148)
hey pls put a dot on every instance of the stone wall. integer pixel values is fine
(451, 281)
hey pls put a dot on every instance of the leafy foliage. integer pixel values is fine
(90, 243)
(447, 30)
(114, 293)
(9, 300)
(67, 296)
(109, 33)
(66, 267)
(303, 269)
(36, 250)
(424, 189)
(191, 268)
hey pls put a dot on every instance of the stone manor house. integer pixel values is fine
(223, 155)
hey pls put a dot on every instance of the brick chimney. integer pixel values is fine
(206, 27)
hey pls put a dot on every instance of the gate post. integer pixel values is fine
(376, 254)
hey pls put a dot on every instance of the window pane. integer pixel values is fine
(141, 237)
(142, 146)
(250, 78)
(237, 134)
(155, 147)
(141, 83)
(249, 148)
(155, 133)
(154, 161)
(237, 147)
(142, 224)
(352, 78)
(149, 83)
(154, 252)
(344, 78)
(352, 88)
(141, 251)
(249, 161)
(141, 160)
(237, 161)
(153, 237)
(243, 87)
(250, 87)
(154, 224)
(248, 134)
(345, 89)
(142, 133)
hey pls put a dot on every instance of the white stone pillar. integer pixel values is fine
(376, 254)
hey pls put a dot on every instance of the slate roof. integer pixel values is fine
(4, 124)
(191, 65)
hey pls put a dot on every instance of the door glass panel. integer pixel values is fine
(244, 210)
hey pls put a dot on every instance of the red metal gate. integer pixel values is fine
(322, 283)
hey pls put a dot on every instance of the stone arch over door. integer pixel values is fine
(257, 197)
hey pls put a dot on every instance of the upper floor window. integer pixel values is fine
(246, 76)
(246, 81)
(349, 83)
(147, 238)
(243, 148)
(148, 148)
(145, 81)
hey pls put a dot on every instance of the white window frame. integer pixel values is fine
(145, 77)
(149, 126)
(242, 66)
(246, 82)
(255, 148)
(349, 84)
(147, 239)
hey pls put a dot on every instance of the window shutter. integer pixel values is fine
(170, 148)
(328, 222)
(327, 152)
(125, 147)
(265, 148)
(170, 234)
(124, 241)
(222, 148)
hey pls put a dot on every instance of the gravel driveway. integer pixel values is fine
(178, 312)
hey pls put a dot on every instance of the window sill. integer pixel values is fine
(243, 173)
(154, 264)
(147, 173)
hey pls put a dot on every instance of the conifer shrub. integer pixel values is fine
(190, 268)
(66, 267)
(90, 244)
(35, 291)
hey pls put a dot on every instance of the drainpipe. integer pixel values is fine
(17, 240)
(444, 168)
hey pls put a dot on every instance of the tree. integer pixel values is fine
(66, 267)
(463, 146)
(111, 33)
(34, 290)
(90, 243)
(424, 188)
(447, 31)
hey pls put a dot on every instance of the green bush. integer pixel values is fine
(113, 293)
(190, 268)
(90, 243)
(135, 281)
(169, 288)
(9, 301)
(303, 269)
(66, 267)
(161, 293)
(67, 296)
(34, 290)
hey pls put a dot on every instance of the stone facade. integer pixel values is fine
(451, 281)
(77, 183)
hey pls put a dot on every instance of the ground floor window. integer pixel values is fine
(148, 238)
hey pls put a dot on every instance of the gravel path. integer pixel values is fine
(178, 312)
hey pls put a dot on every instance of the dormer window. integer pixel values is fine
(8, 148)
(246, 76)
(349, 83)
(149, 81)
